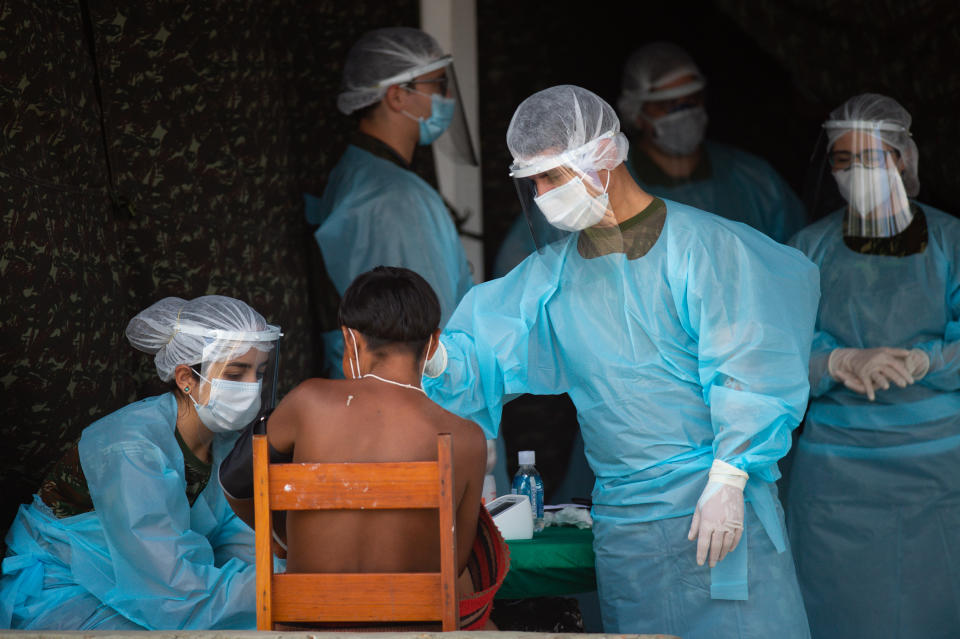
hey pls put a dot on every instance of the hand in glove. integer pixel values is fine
(863, 370)
(918, 363)
(718, 520)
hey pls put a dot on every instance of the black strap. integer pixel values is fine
(236, 471)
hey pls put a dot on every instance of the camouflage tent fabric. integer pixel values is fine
(154, 149)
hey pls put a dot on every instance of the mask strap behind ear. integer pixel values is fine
(426, 356)
(354, 371)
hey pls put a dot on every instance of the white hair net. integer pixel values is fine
(651, 66)
(564, 125)
(385, 57)
(178, 330)
(885, 119)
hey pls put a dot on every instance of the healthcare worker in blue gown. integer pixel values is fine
(874, 508)
(683, 340)
(374, 210)
(662, 103)
(128, 530)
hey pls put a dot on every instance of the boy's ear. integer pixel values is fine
(435, 342)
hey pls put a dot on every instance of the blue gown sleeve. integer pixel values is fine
(494, 342)
(166, 574)
(823, 342)
(751, 306)
(233, 539)
(944, 371)
(820, 380)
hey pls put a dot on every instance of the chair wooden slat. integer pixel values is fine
(355, 597)
(353, 486)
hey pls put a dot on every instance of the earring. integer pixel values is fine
(186, 389)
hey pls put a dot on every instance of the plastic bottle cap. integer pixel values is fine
(527, 457)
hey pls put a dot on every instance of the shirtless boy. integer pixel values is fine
(389, 318)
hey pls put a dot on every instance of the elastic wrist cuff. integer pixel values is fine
(832, 362)
(724, 473)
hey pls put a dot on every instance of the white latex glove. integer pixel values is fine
(491, 455)
(863, 370)
(918, 363)
(438, 363)
(718, 520)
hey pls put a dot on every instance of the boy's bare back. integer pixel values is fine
(368, 420)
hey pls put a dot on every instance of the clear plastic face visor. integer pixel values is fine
(561, 200)
(240, 368)
(857, 171)
(455, 143)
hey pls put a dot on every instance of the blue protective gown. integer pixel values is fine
(374, 212)
(578, 479)
(740, 187)
(516, 246)
(143, 558)
(875, 486)
(696, 350)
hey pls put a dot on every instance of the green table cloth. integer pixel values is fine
(557, 561)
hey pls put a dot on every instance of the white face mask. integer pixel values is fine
(231, 406)
(680, 133)
(570, 207)
(864, 189)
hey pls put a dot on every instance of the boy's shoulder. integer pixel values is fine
(456, 425)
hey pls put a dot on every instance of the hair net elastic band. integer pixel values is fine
(868, 125)
(675, 92)
(268, 335)
(541, 164)
(641, 96)
(410, 74)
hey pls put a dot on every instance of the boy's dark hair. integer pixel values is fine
(392, 307)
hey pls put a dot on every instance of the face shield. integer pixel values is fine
(447, 123)
(566, 193)
(238, 376)
(857, 169)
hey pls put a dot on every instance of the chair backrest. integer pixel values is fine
(355, 597)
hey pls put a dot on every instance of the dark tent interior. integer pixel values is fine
(161, 149)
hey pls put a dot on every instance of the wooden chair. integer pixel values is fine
(355, 597)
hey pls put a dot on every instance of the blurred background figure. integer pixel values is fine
(874, 504)
(127, 531)
(662, 105)
(375, 211)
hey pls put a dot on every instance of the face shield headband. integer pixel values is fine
(415, 72)
(653, 95)
(573, 158)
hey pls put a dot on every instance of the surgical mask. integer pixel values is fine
(680, 133)
(231, 406)
(570, 207)
(864, 189)
(442, 110)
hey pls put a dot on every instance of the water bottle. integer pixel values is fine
(527, 482)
